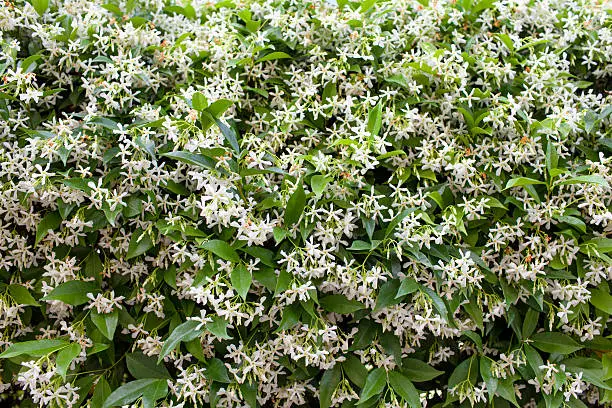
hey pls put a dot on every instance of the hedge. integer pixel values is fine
(266, 203)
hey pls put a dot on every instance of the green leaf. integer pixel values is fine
(29, 65)
(93, 266)
(217, 108)
(156, 390)
(22, 295)
(222, 249)
(419, 371)
(590, 179)
(50, 222)
(249, 393)
(295, 206)
(483, 5)
(505, 38)
(375, 119)
(359, 245)
(329, 381)
(366, 332)
(392, 346)
(65, 357)
(78, 184)
(291, 315)
(522, 181)
(97, 347)
(340, 304)
(554, 342)
(374, 385)
(552, 157)
(318, 184)
(467, 370)
(487, 375)
(601, 300)
(574, 222)
(230, 135)
(192, 158)
(134, 207)
(602, 245)
(183, 332)
(387, 294)
(398, 80)
(530, 322)
(355, 370)
(141, 366)
(241, 280)
(367, 5)
(274, 56)
(40, 6)
(475, 337)
(131, 391)
(73, 292)
(590, 119)
(592, 370)
(475, 313)
(34, 348)
(139, 244)
(402, 386)
(505, 388)
(533, 359)
(218, 327)
(217, 371)
(436, 301)
(106, 322)
(279, 234)
(101, 393)
(199, 102)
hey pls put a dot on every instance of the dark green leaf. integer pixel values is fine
(340, 304)
(554, 342)
(241, 280)
(50, 222)
(222, 249)
(192, 158)
(374, 385)
(183, 332)
(131, 391)
(65, 357)
(218, 327)
(141, 366)
(21, 295)
(274, 56)
(73, 292)
(139, 244)
(106, 322)
(601, 300)
(295, 205)
(375, 119)
(419, 371)
(355, 370)
(34, 348)
(402, 386)
(217, 371)
(329, 381)
(522, 181)
(408, 286)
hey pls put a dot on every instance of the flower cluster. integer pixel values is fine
(287, 203)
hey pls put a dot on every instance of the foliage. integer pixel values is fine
(390, 203)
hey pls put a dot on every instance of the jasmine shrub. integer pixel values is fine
(391, 203)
